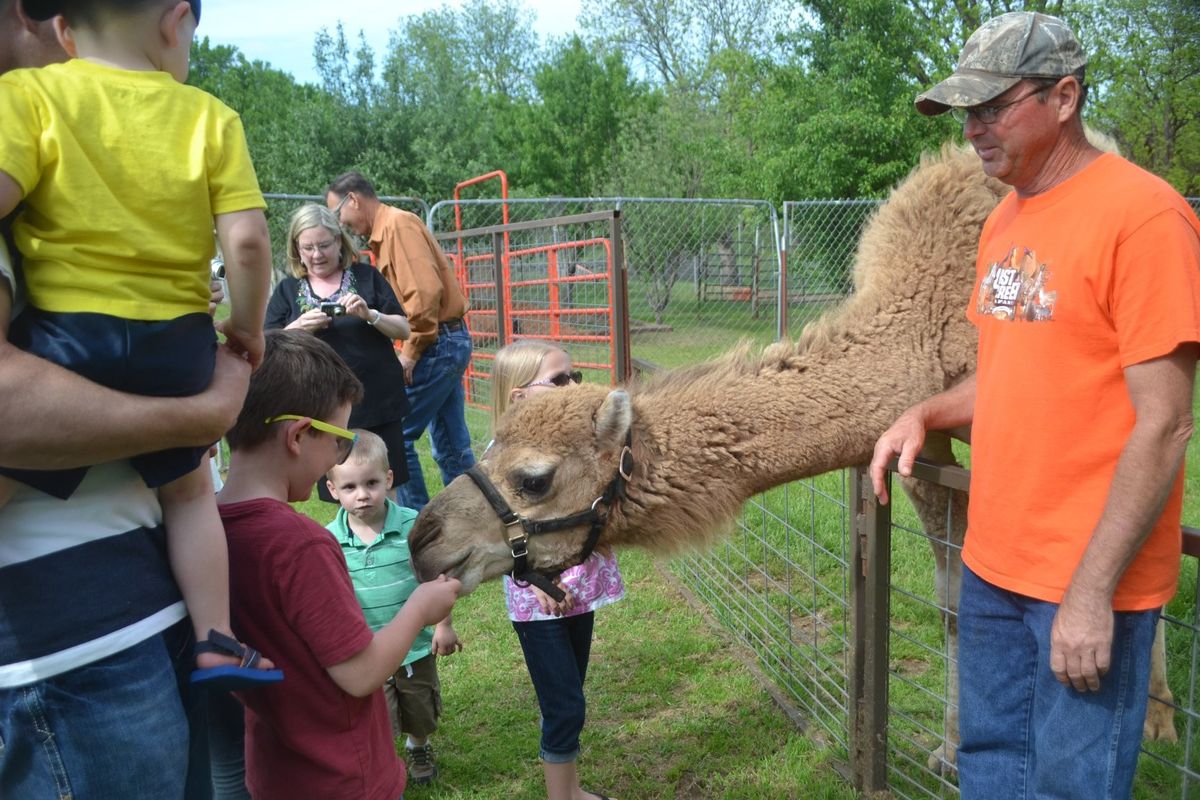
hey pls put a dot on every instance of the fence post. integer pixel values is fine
(623, 360)
(503, 333)
(781, 300)
(870, 568)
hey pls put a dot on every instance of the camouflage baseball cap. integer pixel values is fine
(1005, 50)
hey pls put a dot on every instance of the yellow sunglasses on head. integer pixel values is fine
(346, 439)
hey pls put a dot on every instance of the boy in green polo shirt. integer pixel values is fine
(373, 533)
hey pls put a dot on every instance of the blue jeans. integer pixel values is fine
(113, 728)
(1023, 734)
(216, 755)
(556, 653)
(181, 644)
(227, 747)
(437, 401)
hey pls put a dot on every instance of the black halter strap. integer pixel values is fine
(519, 529)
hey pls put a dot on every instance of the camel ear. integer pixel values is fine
(613, 421)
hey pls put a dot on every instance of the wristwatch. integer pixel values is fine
(374, 320)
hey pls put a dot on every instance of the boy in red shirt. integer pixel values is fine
(323, 732)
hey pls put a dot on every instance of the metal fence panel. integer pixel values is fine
(558, 279)
(702, 273)
(779, 582)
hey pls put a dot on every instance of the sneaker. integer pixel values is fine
(421, 766)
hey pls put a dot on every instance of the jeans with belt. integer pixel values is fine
(437, 401)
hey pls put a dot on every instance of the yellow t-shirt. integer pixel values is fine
(123, 173)
(1073, 286)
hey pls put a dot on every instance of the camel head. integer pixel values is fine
(553, 455)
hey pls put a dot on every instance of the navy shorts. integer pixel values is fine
(171, 358)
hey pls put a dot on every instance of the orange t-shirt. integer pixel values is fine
(1073, 286)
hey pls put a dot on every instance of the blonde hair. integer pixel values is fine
(369, 450)
(516, 364)
(311, 215)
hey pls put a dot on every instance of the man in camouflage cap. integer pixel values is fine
(1087, 302)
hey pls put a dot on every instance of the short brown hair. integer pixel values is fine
(90, 13)
(369, 449)
(300, 374)
(349, 182)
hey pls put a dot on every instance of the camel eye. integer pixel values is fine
(534, 485)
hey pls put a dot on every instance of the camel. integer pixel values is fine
(706, 438)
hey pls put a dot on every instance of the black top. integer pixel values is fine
(365, 350)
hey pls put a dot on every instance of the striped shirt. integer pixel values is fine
(81, 579)
(382, 571)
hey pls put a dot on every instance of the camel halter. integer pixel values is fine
(596, 516)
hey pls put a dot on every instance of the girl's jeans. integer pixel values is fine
(1023, 734)
(556, 653)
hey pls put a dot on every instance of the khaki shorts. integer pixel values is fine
(414, 698)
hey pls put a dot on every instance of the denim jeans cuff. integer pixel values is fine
(559, 758)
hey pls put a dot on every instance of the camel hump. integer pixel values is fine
(930, 223)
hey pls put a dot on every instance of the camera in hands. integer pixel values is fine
(333, 309)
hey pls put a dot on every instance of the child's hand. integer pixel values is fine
(445, 639)
(435, 598)
(216, 295)
(248, 344)
(550, 605)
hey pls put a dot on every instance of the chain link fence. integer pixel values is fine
(819, 241)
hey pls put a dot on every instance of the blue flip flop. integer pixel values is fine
(228, 678)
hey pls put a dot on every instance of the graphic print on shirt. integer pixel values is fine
(1015, 288)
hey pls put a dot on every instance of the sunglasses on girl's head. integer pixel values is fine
(560, 380)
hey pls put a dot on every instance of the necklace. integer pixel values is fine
(308, 299)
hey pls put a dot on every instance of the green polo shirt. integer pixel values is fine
(381, 571)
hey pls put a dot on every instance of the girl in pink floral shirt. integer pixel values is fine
(555, 637)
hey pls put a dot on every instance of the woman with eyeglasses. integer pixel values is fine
(351, 307)
(556, 637)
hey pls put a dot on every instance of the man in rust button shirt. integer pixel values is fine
(436, 355)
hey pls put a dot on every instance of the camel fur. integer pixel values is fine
(707, 438)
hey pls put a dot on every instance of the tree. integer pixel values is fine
(281, 118)
(675, 40)
(1145, 73)
(569, 137)
(429, 79)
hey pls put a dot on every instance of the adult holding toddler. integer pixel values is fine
(352, 308)
(117, 278)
